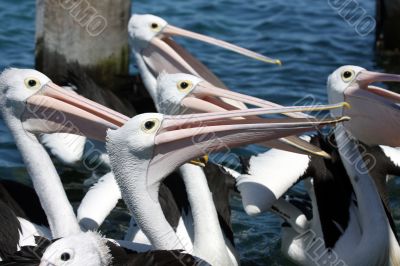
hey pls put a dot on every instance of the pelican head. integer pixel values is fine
(82, 249)
(375, 112)
(149, 29)
(17, 85)
(143, 28)
(172, 89)
(30, 100)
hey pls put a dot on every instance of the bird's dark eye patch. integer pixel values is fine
(154, 25)
(32, 83)
(149, 125)
(65, 256)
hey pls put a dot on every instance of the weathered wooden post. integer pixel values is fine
(91, 33)
(388, 26)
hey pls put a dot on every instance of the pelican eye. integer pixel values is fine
(150, 125)
(155, 26)
(65, 256)
(32, 83)
(348, 75)
(185, 85)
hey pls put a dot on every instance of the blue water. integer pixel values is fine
(310, 37)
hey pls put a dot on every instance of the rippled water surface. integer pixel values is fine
(308, 36)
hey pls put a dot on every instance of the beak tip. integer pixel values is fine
(326, 156)
(278, 62)
(343, 119)
(346, 105)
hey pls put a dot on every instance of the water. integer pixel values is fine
(308, 36)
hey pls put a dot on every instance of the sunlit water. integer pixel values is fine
(308, 36)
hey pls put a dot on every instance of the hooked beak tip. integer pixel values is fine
(270, 61)
(346, 105)
(324, 155)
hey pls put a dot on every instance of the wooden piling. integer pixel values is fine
(388, 25)
(91, 33)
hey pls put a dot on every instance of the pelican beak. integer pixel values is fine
(164, 54)
(375, 111)
(182, 138)
(53, 109)
(207, 98)
(169, 30)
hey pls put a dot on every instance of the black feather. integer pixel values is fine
(24, 201)
(245, 163)
(28, 255)
(333, 191)
(123, 257)
(9, 231)
(173, 198)
(221, 184)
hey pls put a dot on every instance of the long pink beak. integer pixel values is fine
(54, 109)
(169, 30)
(207, 98)
(182, 138)
(375, 111)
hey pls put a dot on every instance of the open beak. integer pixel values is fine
(375, 111)
(207, 98)
(53, 109)
(182, 138)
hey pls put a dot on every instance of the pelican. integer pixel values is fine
(30, 103)
(353, 226)
(150, 146)
(156, 52)
(353, 83)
